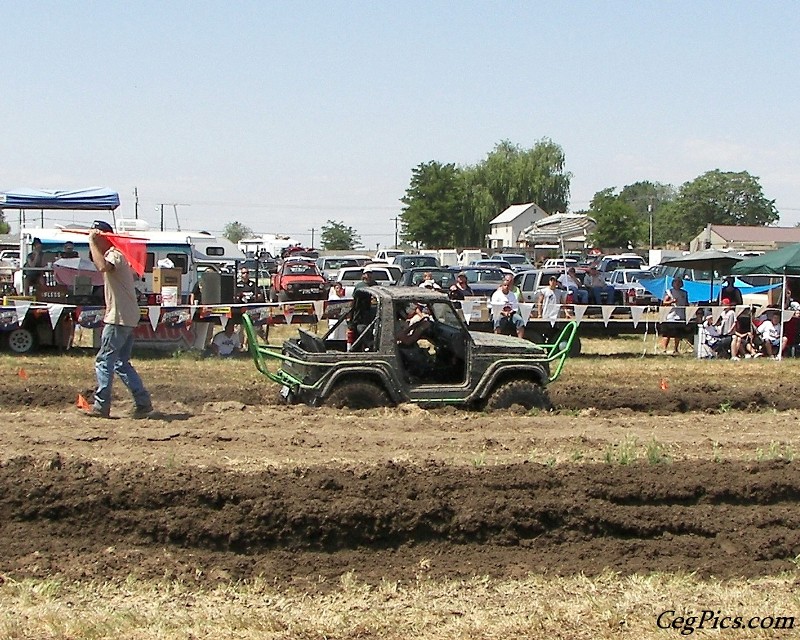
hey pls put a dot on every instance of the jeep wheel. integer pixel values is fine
(525, 393)
(358, 395)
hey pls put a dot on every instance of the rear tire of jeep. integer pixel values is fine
(525, 393)
(358, 395)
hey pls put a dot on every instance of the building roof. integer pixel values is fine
(515, 211)
(735, 233)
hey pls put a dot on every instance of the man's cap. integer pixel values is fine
(794, 306)
(102, 225)
(726, 302)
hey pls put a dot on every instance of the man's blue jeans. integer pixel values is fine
(114, 356)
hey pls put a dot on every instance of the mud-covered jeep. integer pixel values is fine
(407, 344)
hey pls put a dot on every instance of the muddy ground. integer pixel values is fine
(218, 486)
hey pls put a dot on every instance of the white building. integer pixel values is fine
(505, 228)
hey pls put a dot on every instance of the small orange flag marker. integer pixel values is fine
(81, 403)
(22, 373)
(664, 386)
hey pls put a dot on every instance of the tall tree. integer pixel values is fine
(4, 226)
(235, 231)
(434, 203)
(649, 200)
(337, 236)
(618, 222)
(718, 197)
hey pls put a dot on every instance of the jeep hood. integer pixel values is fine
(503, 344)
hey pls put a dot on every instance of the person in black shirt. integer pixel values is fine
(731, 292)
(245, 287)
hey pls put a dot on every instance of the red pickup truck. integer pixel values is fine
(297, 280)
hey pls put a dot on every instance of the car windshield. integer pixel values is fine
(338, 263)
(515, 259)
(300, 269)
(635, 276)
(484, 275)
(418, 261)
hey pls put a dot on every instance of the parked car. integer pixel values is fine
(559, 263)
(330, 265)
(412, 260)
(627, 288)
(382, 273)
(517, 261)
(297, 280)
(496, 264)
(442, 276)
(611, 263)
(484, 281)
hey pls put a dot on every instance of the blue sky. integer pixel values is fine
(283, 115)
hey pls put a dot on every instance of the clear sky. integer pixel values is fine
(283, 115)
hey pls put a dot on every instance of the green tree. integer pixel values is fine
(4, 226)
(235, 231)
(618, 222)
(337, 236)
(513, 175)
(649, 199)
(434, 205)
(718, 197)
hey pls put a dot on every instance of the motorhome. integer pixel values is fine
(272, 243)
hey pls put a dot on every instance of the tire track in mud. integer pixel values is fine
(723, 519)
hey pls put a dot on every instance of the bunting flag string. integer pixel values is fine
(154, 313)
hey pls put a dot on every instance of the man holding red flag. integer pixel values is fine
(121, 318)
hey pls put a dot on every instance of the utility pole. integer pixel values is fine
(174, 206)
(162, 216)
(136, 202)
(650, 213)
(396, 220)
(312, 237)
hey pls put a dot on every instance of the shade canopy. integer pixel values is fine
(93, 198)
(559, 227)
(706, 260)
(783, 262)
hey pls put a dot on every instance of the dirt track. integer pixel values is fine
(216, 489)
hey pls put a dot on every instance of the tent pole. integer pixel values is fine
(783, 297)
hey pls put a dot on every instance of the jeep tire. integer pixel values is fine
(525, 393)
(357, 395)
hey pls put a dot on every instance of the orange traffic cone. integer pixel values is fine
(82, 403)
(22, 373)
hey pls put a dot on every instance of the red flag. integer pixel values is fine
(134, 250)
(82, 403)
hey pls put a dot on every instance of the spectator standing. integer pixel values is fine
(337, 292)
(504, 299)
(367, 280)
(34, 261)
(428, 282)
(548, 302)
(69, 251)
(245, 287)
(460, 288)
(731, 292)
(121, 318)
(677, 298)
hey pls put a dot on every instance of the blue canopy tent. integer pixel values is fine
(93, 198)
(698, 291)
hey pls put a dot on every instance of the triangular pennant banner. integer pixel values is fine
(787, 315)
(287, 317)
(580, 310)
(223, 321)
(154, 313)
(607, 310)
(525, 311)
(466, 307)
(636, 315)
(319, 308)
(716, 312)
(691, 312)
(55, 311)
(22, 307)
(497, 309)
(663, 312)
(467, 316)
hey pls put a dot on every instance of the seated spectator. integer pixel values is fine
(726, 325)
(227, 343)
(769, 330)
(504, 300)
(570, 282)
(791, 332)
(709, 338)
(743, 343)
(512, 286)
(428, 282)
(597, 286)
